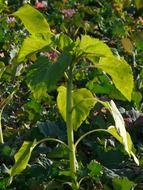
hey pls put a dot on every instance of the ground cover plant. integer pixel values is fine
(58, 79)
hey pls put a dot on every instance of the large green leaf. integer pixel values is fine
(33, 44)
(43, 76)
(82, 102)
(22, 158)
(94, 47)
(32, 19)
(120, 73)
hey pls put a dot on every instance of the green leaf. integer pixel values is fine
(82, 102)
(139, 4)
(120, 73)
(32, 19)
(94, 47)
(112, 130)
(22, 158)
(33, 44)
(5, 182)
(137, 98)
(119, 124)
(122, 183)
(3, 6)
(138, 39)
(43, 75)
(102, 84)
(61, 101)
(120, 128)
(96, 169)
(37, 77)
(127, 45)
(63, 41)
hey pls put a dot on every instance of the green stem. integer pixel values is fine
(70, 132)
(52, 139)
(88, 133)
(2, 105)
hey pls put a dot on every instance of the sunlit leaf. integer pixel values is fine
(120, 73)
(22, 158)
(61, 101)
(31, 45)
(93, 46)
(82, 102)
(32, 19)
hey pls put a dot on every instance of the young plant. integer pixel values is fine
(74, 104)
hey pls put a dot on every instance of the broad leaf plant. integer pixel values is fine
(73, 104)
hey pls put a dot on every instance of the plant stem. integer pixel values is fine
(52, 139)
(88, 133)
(70, 132)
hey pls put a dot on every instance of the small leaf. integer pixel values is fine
(82, 102)
(93, 46)
(22, 158)
(120, 73)
(31, 45)
(127, 45)
(96, 169)
(32, 19)
(63, 41)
